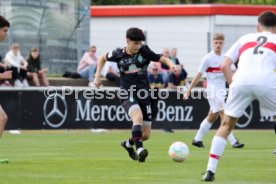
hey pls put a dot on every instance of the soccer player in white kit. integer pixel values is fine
(216, 90)
(254, 79)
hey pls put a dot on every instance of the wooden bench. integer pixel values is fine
(62, 81)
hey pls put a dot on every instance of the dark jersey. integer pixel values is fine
(133, 68)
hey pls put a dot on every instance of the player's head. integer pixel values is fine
(267, 21)
(135, 37)
(4, 27)
(218, 42)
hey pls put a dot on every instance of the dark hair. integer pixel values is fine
(4, 22)
(267, 19)
(135, 34)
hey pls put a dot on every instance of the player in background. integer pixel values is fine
(254, 79)
(216, 90)
(132, 62)
(4, 27)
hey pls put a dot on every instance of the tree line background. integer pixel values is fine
(139, 2)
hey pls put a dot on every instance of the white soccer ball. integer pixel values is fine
(178, 151)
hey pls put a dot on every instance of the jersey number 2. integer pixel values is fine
(261, 41)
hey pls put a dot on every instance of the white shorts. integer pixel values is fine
(216, 101)
(240, 97)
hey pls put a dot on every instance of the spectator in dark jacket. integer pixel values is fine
(34, 68)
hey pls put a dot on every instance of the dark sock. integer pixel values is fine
(131, 142)
(275, 127)
(137, 136)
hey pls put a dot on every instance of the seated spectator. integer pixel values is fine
(177, 78)
(18, 65)
(87, 65)
(34, 68)
(3, 71)
(173, 56)
(164, 70)
(111, 72)
(156, 82)
(154, 77)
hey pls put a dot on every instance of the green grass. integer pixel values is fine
(83, 157)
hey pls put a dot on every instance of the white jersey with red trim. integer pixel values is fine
(257, 59)
(211, 65)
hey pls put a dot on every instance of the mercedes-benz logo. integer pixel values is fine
(55, 110)
(246, 117)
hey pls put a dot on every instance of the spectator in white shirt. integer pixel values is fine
(18, 65)
(111, 72)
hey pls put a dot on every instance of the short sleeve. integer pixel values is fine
(112, 55)
(203, 65)
(234, 52)
(149, 54)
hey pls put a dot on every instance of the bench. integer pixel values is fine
(62, 81)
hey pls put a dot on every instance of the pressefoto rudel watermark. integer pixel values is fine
(102, 93)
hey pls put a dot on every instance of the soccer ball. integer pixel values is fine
(178, 151)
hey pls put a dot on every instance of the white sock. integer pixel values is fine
(139, 150)
(203, 129)
(231, 138)
(217, 148)
(128, 144)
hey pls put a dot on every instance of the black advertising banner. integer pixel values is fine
(83, 108)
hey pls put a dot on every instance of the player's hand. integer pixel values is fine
(175, 68)
(186, 95)
(97, 82)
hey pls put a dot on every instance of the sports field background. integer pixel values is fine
(84, 157)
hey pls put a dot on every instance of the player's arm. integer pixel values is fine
(226, 69)
(192, 85)
(169, 63)
(101, 62)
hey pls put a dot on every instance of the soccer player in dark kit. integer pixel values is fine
(4, 27)
(132, 62)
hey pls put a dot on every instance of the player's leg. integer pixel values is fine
(267, 100)
(231, 138)
(134, 111)
(218, 145)
(3, 120)
(138, 134)
(274, 151)
(146, 108)
(239, 98)
(204, 128)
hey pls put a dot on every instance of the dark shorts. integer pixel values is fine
(133, 103)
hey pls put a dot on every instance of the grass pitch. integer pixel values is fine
(83, 157)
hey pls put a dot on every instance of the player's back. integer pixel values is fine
(257, 59)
